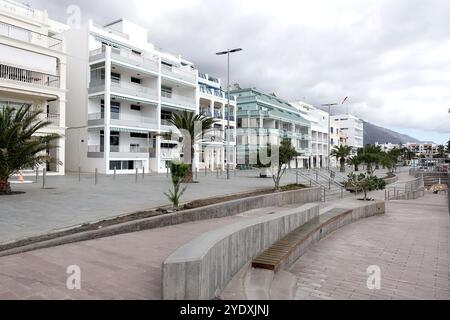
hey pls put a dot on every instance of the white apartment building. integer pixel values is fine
(213, 102)
(319, 139)
(386, 147)
(122, 91)
(425, 149)
(33, 71)
(353, 127)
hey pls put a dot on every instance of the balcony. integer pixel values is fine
(28, 76)
(178, 73)
(112, 31)
(21, 10)
(135, 60)
(218, 115)
(130, 89)
(178, 100)
(28, 36)
(119, 119)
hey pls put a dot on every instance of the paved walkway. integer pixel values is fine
(410, 245)
(126, 266)
(69, 202)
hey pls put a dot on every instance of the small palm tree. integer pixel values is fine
(341, 153)
(19, 147)
(187, 122)
(441, 151)
(355, 161)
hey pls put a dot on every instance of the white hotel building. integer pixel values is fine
(213, 102)
(122, 90)
(353, 127)
(33, 70)
(319, 137)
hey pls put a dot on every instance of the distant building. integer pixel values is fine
(319, 134)
(354, 129)
(386, 147)
(213, 103)
(423, 149)
(266, 119)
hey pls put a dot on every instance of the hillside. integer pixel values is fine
(373, 133)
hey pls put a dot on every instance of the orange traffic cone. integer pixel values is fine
(21, 179)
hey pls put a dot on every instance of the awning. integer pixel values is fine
(130, 130)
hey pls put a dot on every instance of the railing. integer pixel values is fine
(202, 75)
(185, 75)
(96, 149)
(134, 90)
(128, 149)
(404, 190)
(29, 36)
(27, 76)
(205, 113)
(20, 9)
(212, 79)
(134, 59)
(218, 115)
(123, 117)
(112, 31)
(179, 100)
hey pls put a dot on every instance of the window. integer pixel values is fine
(115, 165)
(166, 115)
(138, 135)
(135, 107)
(166, 92)
(168, 145)
(115, 77)
(135, 80)
(136, 52)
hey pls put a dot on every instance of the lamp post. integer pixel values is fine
(228, 105)
(329, 105)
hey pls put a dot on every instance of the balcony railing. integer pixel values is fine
(27, 76)
(182, 74)
(20, 9)
(112, 31)
(123, 119)
(29, 36)
(130, 89)
(135, 59)
(128, 149)
(179, 100)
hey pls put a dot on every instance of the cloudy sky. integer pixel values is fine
(392, 58)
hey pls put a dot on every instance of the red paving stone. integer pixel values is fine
(411, 245)
(126, 266)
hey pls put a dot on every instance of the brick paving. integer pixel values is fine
(410, 244)
(126, 266)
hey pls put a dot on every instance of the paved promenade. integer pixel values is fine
(69, 202)
(410, 245)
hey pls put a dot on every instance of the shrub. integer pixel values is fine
(178, 172)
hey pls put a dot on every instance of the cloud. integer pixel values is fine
(389, 57)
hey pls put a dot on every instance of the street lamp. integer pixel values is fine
(329, 105)
(228, 105)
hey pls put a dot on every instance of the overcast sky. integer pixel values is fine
(392, 58)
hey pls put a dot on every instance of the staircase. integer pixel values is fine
(332, 183)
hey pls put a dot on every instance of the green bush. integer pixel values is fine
(366, 183)
(178, 172)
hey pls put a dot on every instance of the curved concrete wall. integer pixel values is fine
(202, 268)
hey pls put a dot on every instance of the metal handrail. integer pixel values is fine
(331, 180)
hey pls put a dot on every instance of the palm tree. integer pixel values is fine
(371, 155)
(441, 151)
(341, 153)
(187, 123)
(19, 147)
(355, 161)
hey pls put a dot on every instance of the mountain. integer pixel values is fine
(373, 133)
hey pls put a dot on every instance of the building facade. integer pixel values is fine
(353, 128)
(122, 91)
(33, 71)
(264, 119)
(423, 149)
(213, 102)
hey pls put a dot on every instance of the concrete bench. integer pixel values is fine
(291, 247)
